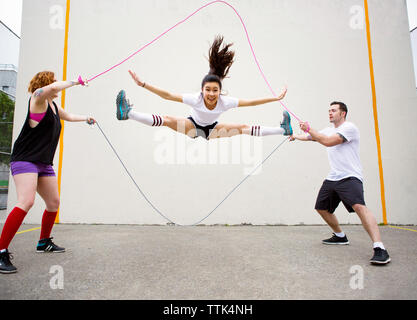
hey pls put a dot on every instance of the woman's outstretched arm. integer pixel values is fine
(256, 102)
(64, 115)
(162, 93)
(49, 91)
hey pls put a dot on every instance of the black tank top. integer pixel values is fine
(38, 144)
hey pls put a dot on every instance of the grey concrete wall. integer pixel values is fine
(317, 48)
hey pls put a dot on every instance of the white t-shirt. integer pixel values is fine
(344, 158)
(203, 116)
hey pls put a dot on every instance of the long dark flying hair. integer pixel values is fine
(220, 60)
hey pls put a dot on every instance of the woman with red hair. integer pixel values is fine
(32, 160)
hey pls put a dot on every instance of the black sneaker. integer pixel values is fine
(336, 240)
(380, 257)
(5, 265)
(46, 245)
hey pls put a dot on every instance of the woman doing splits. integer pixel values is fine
(207, 105)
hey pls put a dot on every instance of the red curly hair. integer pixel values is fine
(40, 80)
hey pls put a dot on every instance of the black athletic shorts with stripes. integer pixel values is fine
(349, 191)
(203, 132)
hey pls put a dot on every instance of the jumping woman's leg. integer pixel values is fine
(178, 124)
(229, 130)
(124, 111)
(181, 125)
(223, 130)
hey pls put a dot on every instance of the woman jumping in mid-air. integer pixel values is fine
(207, 105)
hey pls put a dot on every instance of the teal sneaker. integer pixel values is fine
(122, 106)
(46, 245)
(286, 124)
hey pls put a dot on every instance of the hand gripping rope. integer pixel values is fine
(150, 43)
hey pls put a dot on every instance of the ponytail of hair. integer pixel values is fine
(220, 61)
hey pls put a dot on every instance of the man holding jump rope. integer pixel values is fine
(344, 182)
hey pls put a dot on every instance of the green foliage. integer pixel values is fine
(6, 129)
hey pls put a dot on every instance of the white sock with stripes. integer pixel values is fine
(148, 119)
(260, 131)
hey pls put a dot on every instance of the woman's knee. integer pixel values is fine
(26, 202)
(170, 121)
(241, 128)
(167, 120)
(233, 130)
(178, 124)
(53, 204)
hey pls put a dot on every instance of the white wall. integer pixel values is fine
(9, 46)
(413, 36)
(318, 48)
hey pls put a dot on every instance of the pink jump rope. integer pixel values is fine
(83, 83)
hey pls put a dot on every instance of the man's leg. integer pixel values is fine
(351, 193)
(331, 220)
(339, 236)
(368, 221)
(327, 201)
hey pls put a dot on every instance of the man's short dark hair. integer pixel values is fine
(342, 106)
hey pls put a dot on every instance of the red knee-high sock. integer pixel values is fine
(12, 224)
(48, 220)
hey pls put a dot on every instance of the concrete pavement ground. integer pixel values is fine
(209, 263)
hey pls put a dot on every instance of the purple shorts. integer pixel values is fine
(43, 170)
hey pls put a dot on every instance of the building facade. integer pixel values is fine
(8, 79)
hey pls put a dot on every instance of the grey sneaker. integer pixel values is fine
(286, 124)
(122, 106)
(5, 265)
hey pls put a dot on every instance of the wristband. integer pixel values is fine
(80, 80)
